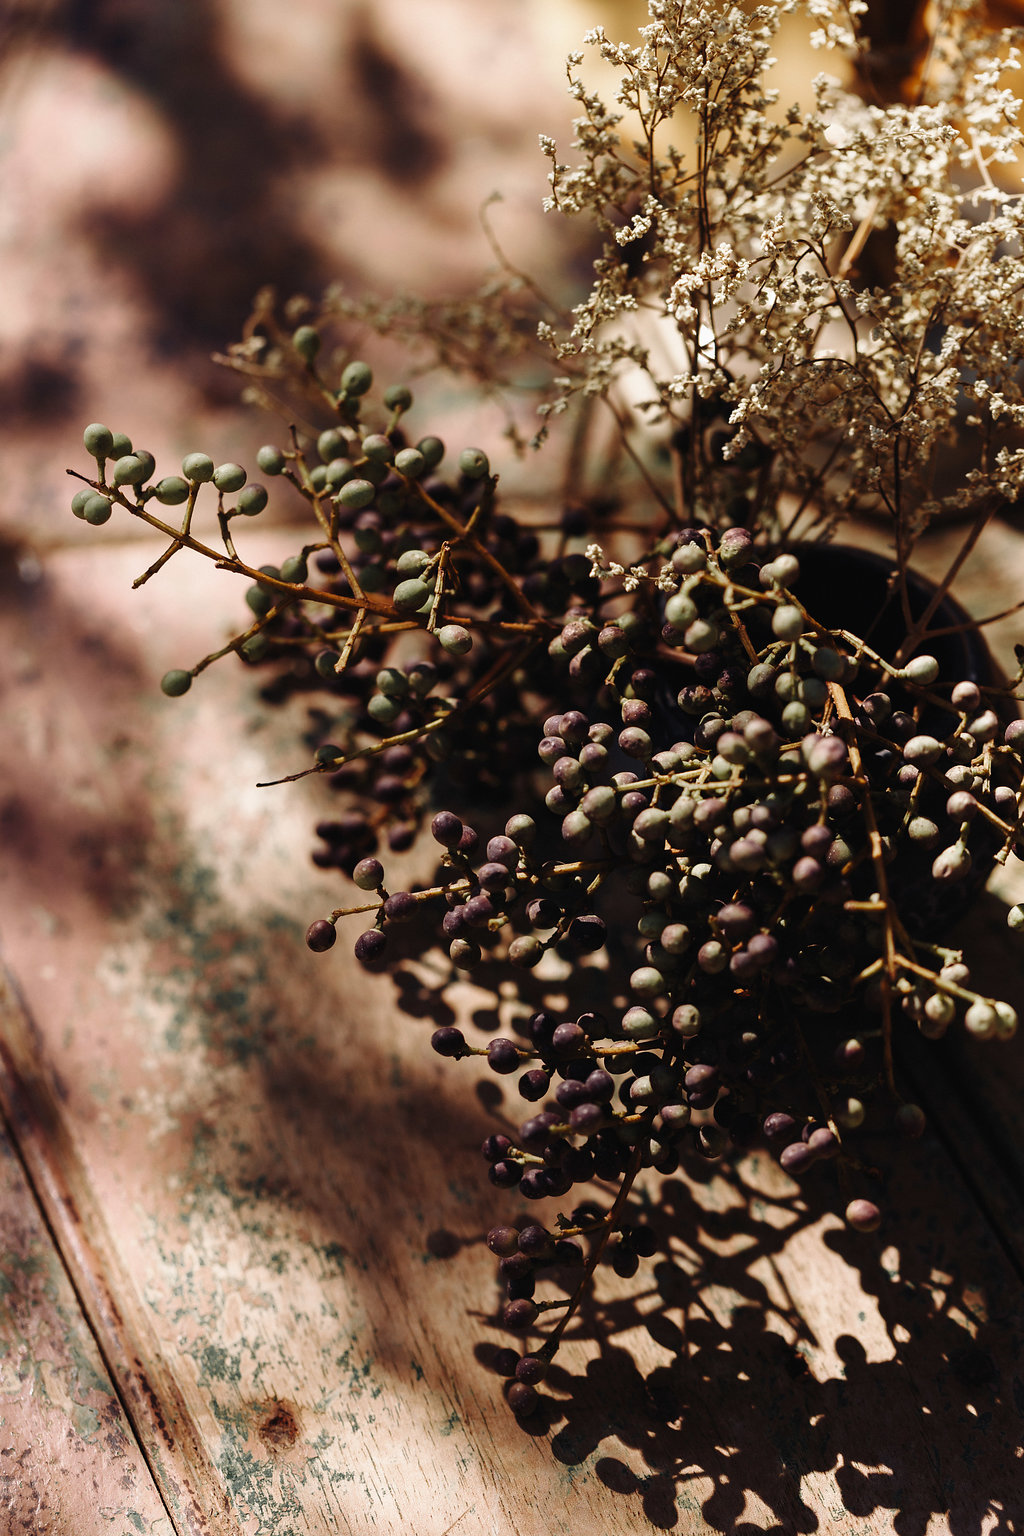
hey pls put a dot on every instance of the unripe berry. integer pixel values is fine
(98, 440)
(271, 460)
(197, 467)
(473, 463)
(176, 682)
(306, 341)
(356, 378)
(229, 477)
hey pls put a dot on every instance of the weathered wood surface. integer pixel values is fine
(264, 1187)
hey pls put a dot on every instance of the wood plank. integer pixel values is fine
(68, 1458)
(278, 1190)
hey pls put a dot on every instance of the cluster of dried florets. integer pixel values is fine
(650, 748)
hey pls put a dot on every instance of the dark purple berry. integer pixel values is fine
(320, 935)
(369, 946)
(449, 1041)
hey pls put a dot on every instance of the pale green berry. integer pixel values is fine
(525, 952)
(229, 477)
(1015, 918)
(432, 450)
(410, 463)
(171, 491)
(326, 662)
(680, 610)
(271, 460)
(392, 682)
(255, 648)
(473, 463)
(132, 469)
(383, 710)
(923, 670)
(331, 444)
(981, 1020)
(176, 682)
(96, 510)
(356, 379)
(455, 639)
(1006, 1027)
(356, 494)
(787, 622)
(378, 448)
(294, 569)
(197, 467)
(252, 500)
(337, 472)
(79, 501)
(120, 445)
(647, 981)
(259, 601)
(98, 440)
(306, 341)
(397, 397)
(411, 594)
(412, 562)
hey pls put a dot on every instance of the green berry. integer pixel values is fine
(337, 472)
(326, 662)
(923, 670)
(306, 341)
(98, 440)
(411, 594)
(176, 682)
(79, 501)
(96, 510)
(787, 622)
(474, 463)
(455, 639)
(132, 469)
(378, 448)
(271, 460)
(356, 494)
(120, 445)
(525, 952)
(294, 569)
(356, 379)
(318, 477)
(171, 490)
(432, 450)
(383, 710)
(229, 477)
(252, 500)
(680, 610)
(197, 467)
(412, 562)
(410, 463)
(328, 754)
(397, 397)
(255, 648)
(392, 682)
(259, 601)
(331, 444)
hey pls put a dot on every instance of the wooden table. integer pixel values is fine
(242, 1282)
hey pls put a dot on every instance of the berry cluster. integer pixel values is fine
(683, 774)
